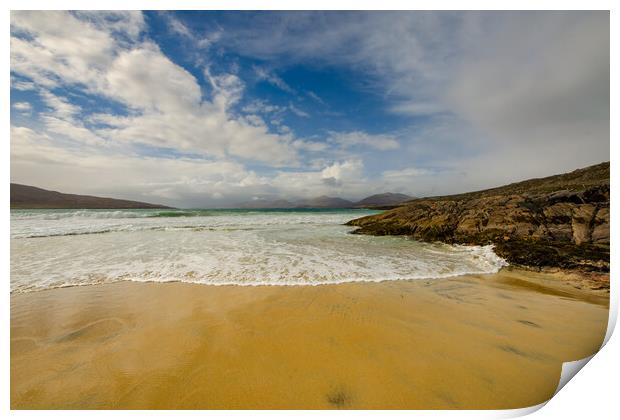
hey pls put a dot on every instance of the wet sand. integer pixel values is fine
(470, 342)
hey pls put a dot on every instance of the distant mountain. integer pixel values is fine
(265, 204)
(27, 197)
(385, 199)
(325, 202)
(322, 202)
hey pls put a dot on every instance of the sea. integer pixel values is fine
(277, 247)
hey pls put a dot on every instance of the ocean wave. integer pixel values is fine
(83, 223)
(256, 248)
(105, 214)
(151, 277)
(243, 259)
(244, 283)
(60, 214)
(77, 231)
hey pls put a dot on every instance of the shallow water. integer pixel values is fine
(56, 248)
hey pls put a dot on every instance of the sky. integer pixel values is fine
(210, 109)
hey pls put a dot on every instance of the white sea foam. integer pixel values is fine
(55, 249)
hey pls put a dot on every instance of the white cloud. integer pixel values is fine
(203, 41)
(178, 26)
(356, 138)
(145, 79)
(342, 171)
(166, 101)
(54, 53)
(59, 106)
(552, 86)
(254, 120)
(299, 112)
(274, 79)
(344, 178)
(173, 181)
(407, 174)
(484, 90)
(316, 97)
(259, 106)
(22, 84)
(177, 180)
(310, 146)
(61, 118)
(227, 88)
(417, 108)
(129, 23)
(519, 83)
(22, 106)
(71, 130)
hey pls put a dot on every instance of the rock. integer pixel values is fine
(558, 221)
(600, 232)
(583, 216)
(559, 213)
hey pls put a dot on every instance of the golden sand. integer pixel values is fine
(470, 342)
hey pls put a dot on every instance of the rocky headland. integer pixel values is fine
(557, 222)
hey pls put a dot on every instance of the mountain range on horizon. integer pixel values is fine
(376, 200)
(30, 197)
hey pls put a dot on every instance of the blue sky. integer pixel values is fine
(214, 108)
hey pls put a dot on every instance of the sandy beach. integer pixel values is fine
(470, 342)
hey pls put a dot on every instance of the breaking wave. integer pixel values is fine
(221, 248)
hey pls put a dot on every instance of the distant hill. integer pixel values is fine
(322, 202)
(385, 199)
(27, 197)
(325, 202)
(265, 204)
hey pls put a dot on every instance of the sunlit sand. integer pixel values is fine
(470, 342)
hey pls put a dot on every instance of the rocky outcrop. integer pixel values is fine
(560, 221)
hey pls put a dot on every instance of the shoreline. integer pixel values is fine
(474, 341)
(594, 282)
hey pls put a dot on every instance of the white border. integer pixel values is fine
(309, 5)
(593, 394)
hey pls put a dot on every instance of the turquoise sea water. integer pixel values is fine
(54, 248)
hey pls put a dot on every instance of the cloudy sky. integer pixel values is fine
(201, 109)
